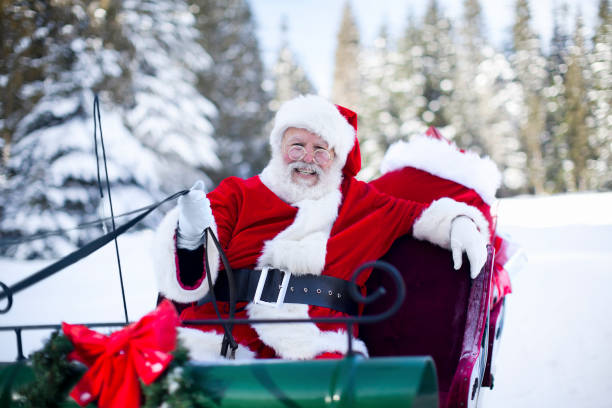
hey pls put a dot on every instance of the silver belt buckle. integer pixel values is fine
(281, 294)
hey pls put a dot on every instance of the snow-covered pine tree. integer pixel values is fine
(380, 116)
(555, 150)
(600, 96)
(32, 32)
(346, 86)
(233, 83)
(483, 110)
(169, 116)
(410, 80)
(439, 61)
(580, 153)
(51, 172)
(530, 68)
(289, 78)
(21, 42)
(469, 130)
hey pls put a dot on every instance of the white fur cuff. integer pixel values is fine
(166, 263)
(434, 224)
(206, 346)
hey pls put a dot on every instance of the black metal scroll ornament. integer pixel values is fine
(9, 298)
(349, 320)
(380, 291)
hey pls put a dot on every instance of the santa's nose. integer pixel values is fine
(308, 157)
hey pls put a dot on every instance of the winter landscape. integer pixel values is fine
(556, 340)
(188, 90)
(185, 95)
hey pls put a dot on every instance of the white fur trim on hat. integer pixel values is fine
(317, 115)
(445, 160)
(164, 262)
(434, 223)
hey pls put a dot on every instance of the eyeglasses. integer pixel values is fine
(321, 156)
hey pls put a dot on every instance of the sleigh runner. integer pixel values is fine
(436, 350)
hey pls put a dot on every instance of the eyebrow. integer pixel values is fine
(295, 139)
(292, 138)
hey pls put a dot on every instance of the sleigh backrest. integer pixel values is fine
(443, 314)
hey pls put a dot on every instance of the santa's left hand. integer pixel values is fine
(464, 236)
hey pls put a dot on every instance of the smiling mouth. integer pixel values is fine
(308, 172)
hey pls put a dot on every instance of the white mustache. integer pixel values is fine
(305, 166)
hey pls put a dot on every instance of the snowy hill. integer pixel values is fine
(555, 346)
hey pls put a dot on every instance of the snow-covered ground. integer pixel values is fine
(88, 291)
(556, 348)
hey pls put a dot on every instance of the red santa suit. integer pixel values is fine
(336, 227)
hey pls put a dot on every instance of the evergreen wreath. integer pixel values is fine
(54, 376)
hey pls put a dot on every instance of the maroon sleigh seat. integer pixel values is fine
(443, 315)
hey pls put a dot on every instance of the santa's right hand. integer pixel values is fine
(194, 216)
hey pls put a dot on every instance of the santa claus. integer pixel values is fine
(306, 220)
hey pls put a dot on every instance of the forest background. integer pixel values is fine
(185, 95)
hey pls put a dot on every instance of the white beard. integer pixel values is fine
(277, 177)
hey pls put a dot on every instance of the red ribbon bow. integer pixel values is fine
(115, 362)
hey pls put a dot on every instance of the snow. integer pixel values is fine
(561, 210)
(556, 342)
(88, 291)
(555, 349)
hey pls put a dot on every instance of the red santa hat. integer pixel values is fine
(335, 124)
(434, 154)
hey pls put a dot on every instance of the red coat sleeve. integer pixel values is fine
(225, 202)
(418, 185)
(368, 223)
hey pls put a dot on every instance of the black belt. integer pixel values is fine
(324, 291)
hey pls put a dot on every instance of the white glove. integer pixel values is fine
(194, 216)
(464, 236)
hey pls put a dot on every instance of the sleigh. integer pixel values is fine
(436, 350)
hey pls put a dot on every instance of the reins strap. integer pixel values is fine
(80, 253)
(228, 338)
